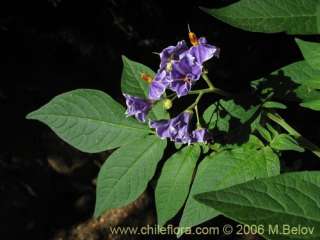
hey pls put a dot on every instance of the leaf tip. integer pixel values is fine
(299, 42)
(204, 9)
(30, 116)
(124, 58)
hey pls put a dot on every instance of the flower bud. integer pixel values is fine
(167, 103)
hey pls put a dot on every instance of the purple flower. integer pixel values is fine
(200, 135)
(137, 107)
(184, 73)
(172, 53)
(177, 129)
(203, 51)
(159, 84)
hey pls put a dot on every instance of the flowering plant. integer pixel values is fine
(226, 153)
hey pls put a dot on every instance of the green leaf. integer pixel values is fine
(264, 132)
(213, 118)
(126, 173)
(286, 200)
(89, 120)
(253, 143)
(272, 130)
(284, 142)
(285, 82)
(314, 105)
(174, 182)
(238, 111)
(224, 169)
(270, 16)
(133, 84)
(307, 94)
(310, 51)
(158, 112)
(277, 105)
(301, 72)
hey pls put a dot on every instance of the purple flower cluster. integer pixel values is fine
(180, 68)
(178, 129)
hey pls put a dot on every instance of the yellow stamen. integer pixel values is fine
(169, 66)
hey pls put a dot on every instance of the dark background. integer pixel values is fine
(49, 47)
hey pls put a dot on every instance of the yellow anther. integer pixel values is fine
(169, 66)
(146, 77)
(193, 37)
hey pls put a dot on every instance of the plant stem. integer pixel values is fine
(210, 89)
(193, 105)
(198, 118)
(206, 78)
(171, 95)
(201, 92)
(303, 141)
(173, 98)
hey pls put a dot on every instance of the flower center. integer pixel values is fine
(187, 78)
(169, 65)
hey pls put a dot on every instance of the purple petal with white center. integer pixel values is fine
(162, 128)
(177, 129)
(172, 53)
(204, 51)
(137, 107)
(184, 73)
(158, 85)
(200, 135)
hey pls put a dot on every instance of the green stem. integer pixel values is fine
(173, 98)
(201, 92)
(193, 105)
(171, 95)
(206, 78)
(198, 118)
(210, 89)
(303, 141)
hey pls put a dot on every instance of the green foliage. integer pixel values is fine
(270, 16)
(214, 118)
(89, 120)
(131, 81)
(284, 142)
(302, 73)
(237, 111)
(174, 182)
(313, 104)
(264, 133)
(289, 199)
(274, 105)
(224, 169)
(126, 173)
(311, 52)
(296, 82)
